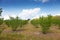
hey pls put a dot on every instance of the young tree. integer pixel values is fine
(14, 23)
(45, 22)
(7, 22)
(35, 22)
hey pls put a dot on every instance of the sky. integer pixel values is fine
(29, 9)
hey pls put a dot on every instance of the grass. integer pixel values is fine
(31, 33)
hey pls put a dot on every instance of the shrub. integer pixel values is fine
(7, 22)
(14, 23)
(1, 21)
(35, 22)
(45, 22)
(23, 22)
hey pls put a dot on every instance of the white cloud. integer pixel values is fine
(23, 14)
(29, 13)
(37, 16)
(43, 1)
(58, 14)
(6, 14)
(6, 17)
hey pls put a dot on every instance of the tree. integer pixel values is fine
(0, 11)
(35, 22)
(15, 22)
(45, 22)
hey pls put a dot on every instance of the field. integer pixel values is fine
(29, 20)
(44, 28)
(29, 32)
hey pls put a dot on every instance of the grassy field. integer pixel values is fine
(29, 32)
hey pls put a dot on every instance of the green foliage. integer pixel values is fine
(35, 22)
(45, 22)
(23, 22)
(7, 22)
(1, 21)
(56, 21)
(15, 22)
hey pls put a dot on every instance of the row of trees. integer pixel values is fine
(15, 22)
(46, 22)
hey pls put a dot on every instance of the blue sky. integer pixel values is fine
(29, 9)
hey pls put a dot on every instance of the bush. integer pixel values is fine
(45, 22)
(7, 22)
(14, 23)
(35, 22)
(23, 22)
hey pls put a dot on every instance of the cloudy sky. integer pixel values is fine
(29, 9)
